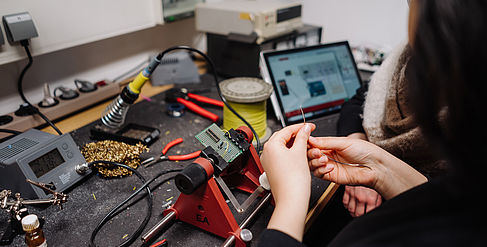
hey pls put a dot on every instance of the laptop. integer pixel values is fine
(314, 81)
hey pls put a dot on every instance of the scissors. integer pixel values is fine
(152, 160)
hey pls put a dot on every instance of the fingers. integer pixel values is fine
(316, 159)
(359, 208)
(284, 135)
(301, 140)
(324, 172)
(330, 143)
(360, 200)
(373, 205)
(346, 196)
(352, 203)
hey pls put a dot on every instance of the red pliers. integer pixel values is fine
(181, 95)
(152, 160)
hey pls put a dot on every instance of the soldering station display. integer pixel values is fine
(46, 162)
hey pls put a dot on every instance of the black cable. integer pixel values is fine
(14, 132)
(215, 76)
(113, 212)
(25, 44)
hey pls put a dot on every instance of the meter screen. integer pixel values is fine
(46, 162)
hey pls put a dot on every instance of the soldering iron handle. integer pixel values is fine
(204, 99)
(197, 109)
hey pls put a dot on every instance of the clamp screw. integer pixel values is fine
(246, 235)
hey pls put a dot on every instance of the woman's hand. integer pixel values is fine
(375, 168)
(359, 200)
(285, 162)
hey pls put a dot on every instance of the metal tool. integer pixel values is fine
(15, 205)
(153, 160)
(182, 96)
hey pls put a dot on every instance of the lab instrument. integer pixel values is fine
(42, 157)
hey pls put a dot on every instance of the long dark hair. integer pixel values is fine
(448, 71)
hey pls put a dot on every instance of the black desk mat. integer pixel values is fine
(91, 199)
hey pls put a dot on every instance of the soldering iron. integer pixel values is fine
(114, 115)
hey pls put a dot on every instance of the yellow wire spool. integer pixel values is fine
(248, 97)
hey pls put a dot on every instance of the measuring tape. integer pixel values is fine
(248, 96)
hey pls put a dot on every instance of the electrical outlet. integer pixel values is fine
(65, 107)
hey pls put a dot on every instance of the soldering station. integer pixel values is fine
(178, 165)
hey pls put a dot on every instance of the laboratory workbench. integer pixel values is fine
(92, 198)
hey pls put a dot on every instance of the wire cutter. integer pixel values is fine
(152, 160)
(182, 96)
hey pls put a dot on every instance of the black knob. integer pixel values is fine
(190, 178)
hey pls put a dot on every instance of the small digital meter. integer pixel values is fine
(41, 157)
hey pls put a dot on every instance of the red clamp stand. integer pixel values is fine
(202, 203)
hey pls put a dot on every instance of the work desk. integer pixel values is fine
(91, 199)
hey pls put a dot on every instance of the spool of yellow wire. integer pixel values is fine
(248, 97)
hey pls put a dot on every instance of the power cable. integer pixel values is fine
(31, 108)
(129, 240)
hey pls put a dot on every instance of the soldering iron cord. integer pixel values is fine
(215, 77)
(107, 217)
(113, 212)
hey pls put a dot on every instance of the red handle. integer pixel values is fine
(197, 109)
(184, 156)
(171, 144)
(205, 99)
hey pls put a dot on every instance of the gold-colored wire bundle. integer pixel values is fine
(254, 113)
(113, 151)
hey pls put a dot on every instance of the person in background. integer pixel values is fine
(380, 112)
(445, 85)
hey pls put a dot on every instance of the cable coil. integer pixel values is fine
(248, 96)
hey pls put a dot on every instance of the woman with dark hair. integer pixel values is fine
(446, 84)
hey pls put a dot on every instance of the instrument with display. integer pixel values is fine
(262, 19)
(42, 157)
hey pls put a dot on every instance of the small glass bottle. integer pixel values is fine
(34, 237)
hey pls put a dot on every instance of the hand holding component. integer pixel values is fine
(285, 163)
(375, 167)
(150, 161)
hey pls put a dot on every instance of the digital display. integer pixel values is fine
(46, 162)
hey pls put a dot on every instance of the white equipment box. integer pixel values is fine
(263, 18)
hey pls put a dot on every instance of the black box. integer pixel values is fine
(238, 55)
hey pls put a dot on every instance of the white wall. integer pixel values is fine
(377, 22)
(105, 59)
(381, 23)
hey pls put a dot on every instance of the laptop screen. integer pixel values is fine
(318, 79)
